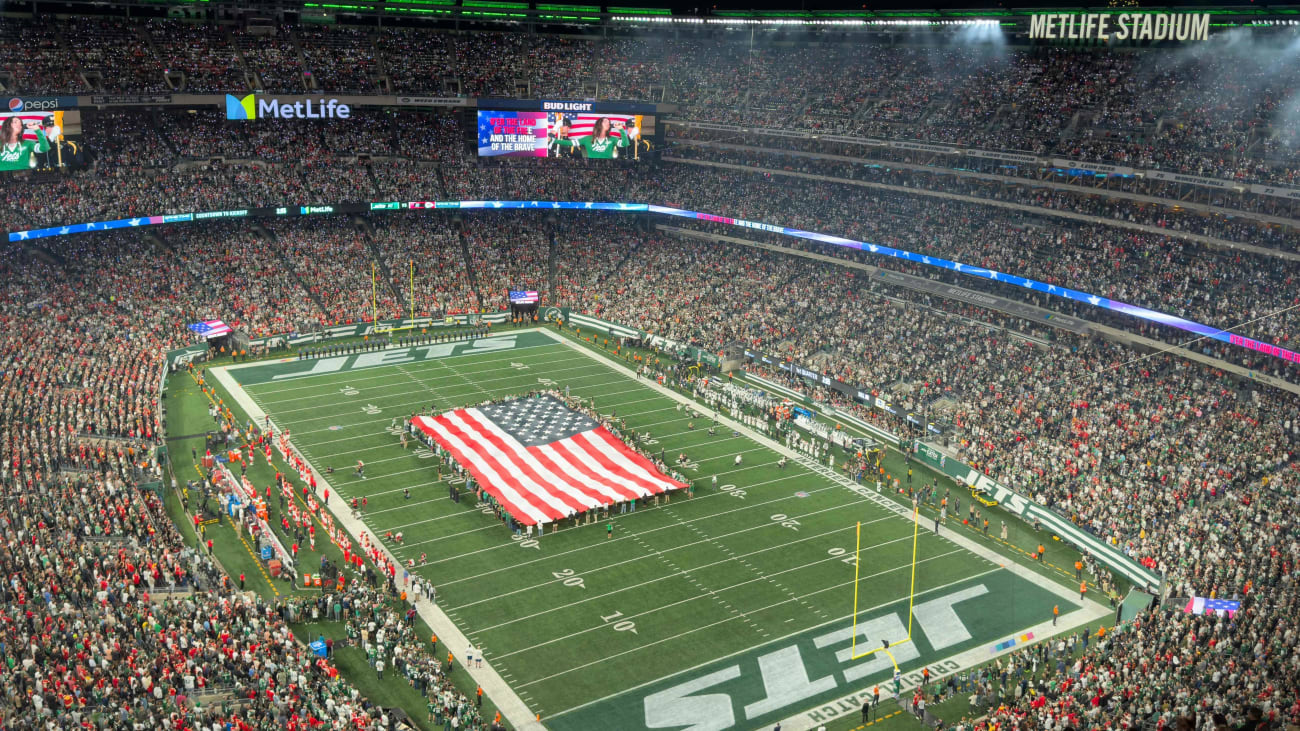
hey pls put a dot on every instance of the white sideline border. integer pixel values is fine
(513, 708)
(1090, 611)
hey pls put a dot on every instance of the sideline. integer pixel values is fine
(517, 712)
(814, 717)
(512, 707)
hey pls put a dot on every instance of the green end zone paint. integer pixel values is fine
(292, 368)
(812, 670)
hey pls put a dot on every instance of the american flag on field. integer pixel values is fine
(523, 297)
(543, 461)
(211, 328)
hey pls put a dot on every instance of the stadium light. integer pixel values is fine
(776, 22)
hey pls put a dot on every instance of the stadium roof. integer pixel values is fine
(776, 16)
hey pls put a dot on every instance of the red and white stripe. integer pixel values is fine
(547, 482)
(582, 124)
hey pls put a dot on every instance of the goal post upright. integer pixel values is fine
(853, 652)
(911, 593)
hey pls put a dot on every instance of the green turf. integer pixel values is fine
(678, 587)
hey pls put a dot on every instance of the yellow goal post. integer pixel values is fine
(911, 596)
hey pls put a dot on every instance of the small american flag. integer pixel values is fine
(211, 328)
(542, 460)
(1203, 605)
(523, 297)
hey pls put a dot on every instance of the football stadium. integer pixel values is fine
(473, 364)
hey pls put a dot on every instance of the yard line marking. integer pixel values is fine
(584, 548)
(704, 591)
(903, 567)
(679, 572)
(514, 376)
(474, 513)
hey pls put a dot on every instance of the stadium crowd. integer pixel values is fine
(113, 620)
(1142, 451)
(1224, 114)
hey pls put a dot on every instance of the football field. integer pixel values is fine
(732, 609)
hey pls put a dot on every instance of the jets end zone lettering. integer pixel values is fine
(398, 356)
(789, 679)
(1121, 27)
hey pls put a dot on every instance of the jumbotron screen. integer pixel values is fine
(38, 140)
(589, 129)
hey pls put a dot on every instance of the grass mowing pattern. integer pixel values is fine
(677, 586)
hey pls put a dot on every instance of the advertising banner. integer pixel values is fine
(1026, 509)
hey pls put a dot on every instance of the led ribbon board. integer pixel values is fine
(1016, 280)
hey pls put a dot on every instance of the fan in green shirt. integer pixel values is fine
(599, 144)
(16, 152)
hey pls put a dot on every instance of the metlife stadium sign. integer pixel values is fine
(1120, 27)
(253, 107)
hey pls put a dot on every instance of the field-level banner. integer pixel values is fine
(1028, 510)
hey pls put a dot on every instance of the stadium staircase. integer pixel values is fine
(306, 77)
(155, 117)
(550, 262)
(71, 54)
(41, 252)
(442, 184)
(367, 233)
(251, 79)
(469, 261)
(370, 175)
(288, 265)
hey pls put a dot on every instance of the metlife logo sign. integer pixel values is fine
(252, 107)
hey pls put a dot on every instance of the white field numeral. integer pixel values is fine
(625, 625)
(840, 552)
(733, 491)
(786, 521)
(569, 579)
